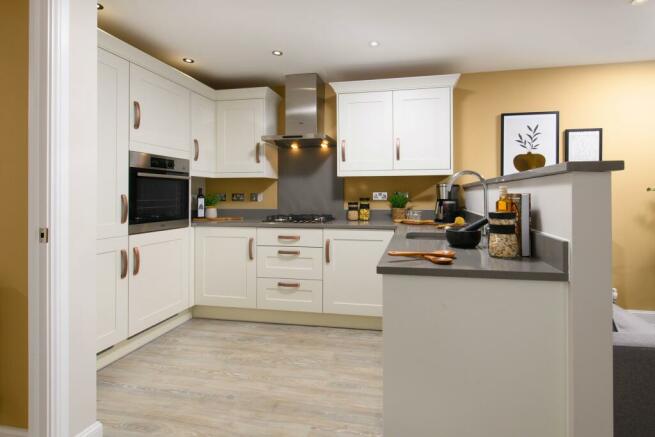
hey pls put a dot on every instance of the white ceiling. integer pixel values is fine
(232, 40)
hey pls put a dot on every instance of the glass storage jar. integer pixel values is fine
(364, 209)
(353, 211)
(503, 242)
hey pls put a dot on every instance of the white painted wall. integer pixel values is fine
(82, 231)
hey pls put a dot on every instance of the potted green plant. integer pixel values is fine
(398, 203)
(211, 202)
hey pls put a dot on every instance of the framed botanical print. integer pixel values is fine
(583, 144)
(528, 140)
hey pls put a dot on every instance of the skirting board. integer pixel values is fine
(9, 431)
(95, 430)
(648, 316)
(131, 344)
(288, 317)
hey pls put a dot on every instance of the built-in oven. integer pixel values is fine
(159, 193)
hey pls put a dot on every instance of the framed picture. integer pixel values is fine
(528, 140)
(583, 144)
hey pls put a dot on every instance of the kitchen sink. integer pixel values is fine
(425, 235)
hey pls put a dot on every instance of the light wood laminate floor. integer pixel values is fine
(220, 378)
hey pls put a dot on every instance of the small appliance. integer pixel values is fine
(445, 199)
(159, 193)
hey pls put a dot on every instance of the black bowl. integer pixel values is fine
(463, 239)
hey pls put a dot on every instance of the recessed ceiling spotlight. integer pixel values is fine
(324, 144)
(637, 2)
(373, 43)
(188, 60)
(277, 53)
(99, 7)
(294, 145)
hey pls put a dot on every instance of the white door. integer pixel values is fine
(350, 282)
(111, 292)
(365, 133)
(226, 272)
(239, 128)
(203, 136)
(421, 129)
(113, 139)
(160, 120)
(159, 277)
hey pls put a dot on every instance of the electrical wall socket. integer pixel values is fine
(379, 195)
(256, 197)
(238, 197)
(222, 197)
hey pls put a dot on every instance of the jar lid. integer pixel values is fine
(364, 199)
(502, 215)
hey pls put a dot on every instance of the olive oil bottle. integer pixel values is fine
(504, 202)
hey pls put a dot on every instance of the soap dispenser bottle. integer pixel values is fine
(504, 202)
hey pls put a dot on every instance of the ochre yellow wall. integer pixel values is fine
(13, 219)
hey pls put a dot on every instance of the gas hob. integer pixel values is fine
(299, 218)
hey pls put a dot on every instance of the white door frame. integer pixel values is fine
(48, 291)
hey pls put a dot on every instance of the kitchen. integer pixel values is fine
(357, 241)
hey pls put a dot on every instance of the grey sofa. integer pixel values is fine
(634, 376)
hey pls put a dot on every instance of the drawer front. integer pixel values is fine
(289, 262)
(290, 237)
(290, 294)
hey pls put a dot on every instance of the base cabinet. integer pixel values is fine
(159, 277)
(111, 292)
(350, 282)
(226, 267)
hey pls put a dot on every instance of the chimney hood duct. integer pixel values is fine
(304, 97)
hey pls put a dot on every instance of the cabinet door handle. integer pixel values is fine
(196, 146)
(288, 252)
(397, 149)
(289, 237)
(137, 261)
(343, 150)
(288, 284)
(137, 114)
(123, 263)
(327, 251)
(124, 208)
(251, 241)
(257, 147)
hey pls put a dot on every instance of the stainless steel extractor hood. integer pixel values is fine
(304, 97)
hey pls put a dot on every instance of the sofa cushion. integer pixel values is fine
(627, 322)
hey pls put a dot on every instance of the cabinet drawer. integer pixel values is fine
(289, 262)
(290, 237)
(290, 294)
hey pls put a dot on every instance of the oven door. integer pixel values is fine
(159, 200)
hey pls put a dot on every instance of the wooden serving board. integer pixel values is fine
(217, 219)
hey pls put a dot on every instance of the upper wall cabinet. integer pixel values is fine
(113, 138)
(160, 115)
(203, 136)
(395, 127)
(242, 117)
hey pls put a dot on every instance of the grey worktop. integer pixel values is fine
(475, 263)
(562, 167)
(336, 224)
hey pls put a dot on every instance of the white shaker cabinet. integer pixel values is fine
(240, 125)
(351, 284)
(203, 136)
(421, 129)
(113, 139)
(364, 131)
(160, 115)
(159, 277)
(111, 292)
(226, 267)
(395, 127)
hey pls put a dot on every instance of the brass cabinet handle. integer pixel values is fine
(257, 147)
(251, 241)
(124, 208)
(196, 146)
(343, 150)
(288, 284)
(288, 252)
(289, 237)
(137, 261)
(327, 251)
(137, 114)
(123, 263)
(397, 149)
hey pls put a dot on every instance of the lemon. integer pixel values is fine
(459, 220)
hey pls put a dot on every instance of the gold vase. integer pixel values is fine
(528, 161)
